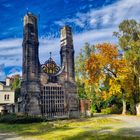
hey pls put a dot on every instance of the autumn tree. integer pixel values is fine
(106, 66)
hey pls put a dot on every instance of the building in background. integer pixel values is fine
(47, 89)
(7, 97)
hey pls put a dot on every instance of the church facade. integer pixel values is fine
(47, 89)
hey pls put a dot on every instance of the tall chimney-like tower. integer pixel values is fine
(67, 60)
(30, 87)
(67, 53)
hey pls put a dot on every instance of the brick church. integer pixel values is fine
(47, 89)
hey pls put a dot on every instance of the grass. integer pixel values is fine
(80, 129)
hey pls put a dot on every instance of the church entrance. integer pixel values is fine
(53, 101)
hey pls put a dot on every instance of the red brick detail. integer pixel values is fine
(85, 105)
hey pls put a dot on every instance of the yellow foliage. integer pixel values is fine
(107, 61)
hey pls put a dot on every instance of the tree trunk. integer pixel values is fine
(124, 107)
(123, 102)
(136, 95)
(138, 109)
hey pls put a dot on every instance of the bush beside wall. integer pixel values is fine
(14, 119)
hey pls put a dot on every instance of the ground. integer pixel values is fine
(99, 127)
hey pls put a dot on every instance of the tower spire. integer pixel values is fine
(67, 53)
(50, 54)
(30, 87)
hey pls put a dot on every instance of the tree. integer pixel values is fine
(15, 85)
(85, 90)
(108, 69)
(81, 75)
(129, 40)
(81, 59)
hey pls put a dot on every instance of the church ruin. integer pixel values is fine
(47, 89)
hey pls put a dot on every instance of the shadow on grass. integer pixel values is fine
(135, 131)
(45, 130)
(93, 136)
(89, 134)
(104, 134)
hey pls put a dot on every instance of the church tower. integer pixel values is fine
(67, 53)
(67, 60)
(30, 87)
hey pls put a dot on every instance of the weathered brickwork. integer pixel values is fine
(47, 89)
(30, 87)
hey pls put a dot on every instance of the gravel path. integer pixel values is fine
(133, 121)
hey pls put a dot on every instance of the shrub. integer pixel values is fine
(93, 108)
(132, 108)
(116, 110)
(14, 119)
(106, 111)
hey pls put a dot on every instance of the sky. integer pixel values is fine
(92, 21)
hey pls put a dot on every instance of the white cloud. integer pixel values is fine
(10, 52)
(49, 45)
(106, 19)
(93, 21)
(78, 21)
(115, 13)
(2, 73)
(10, 42)
(11, 49)
(106, 16)
(93, 37)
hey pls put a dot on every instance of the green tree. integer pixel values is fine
(85, 90)
(81, 59)
(15, 85)
(129, 40)
(81, 75)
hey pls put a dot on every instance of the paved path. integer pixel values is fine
(133, 121)
(129, 127)
(12, 136)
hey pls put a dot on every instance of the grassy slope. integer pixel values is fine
(82, 129)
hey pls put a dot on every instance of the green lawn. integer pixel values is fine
(80, 129)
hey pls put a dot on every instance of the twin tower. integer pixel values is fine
(47, 89)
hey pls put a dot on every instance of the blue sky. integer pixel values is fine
(92, 21)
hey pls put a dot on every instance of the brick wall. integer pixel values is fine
(85, 106)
